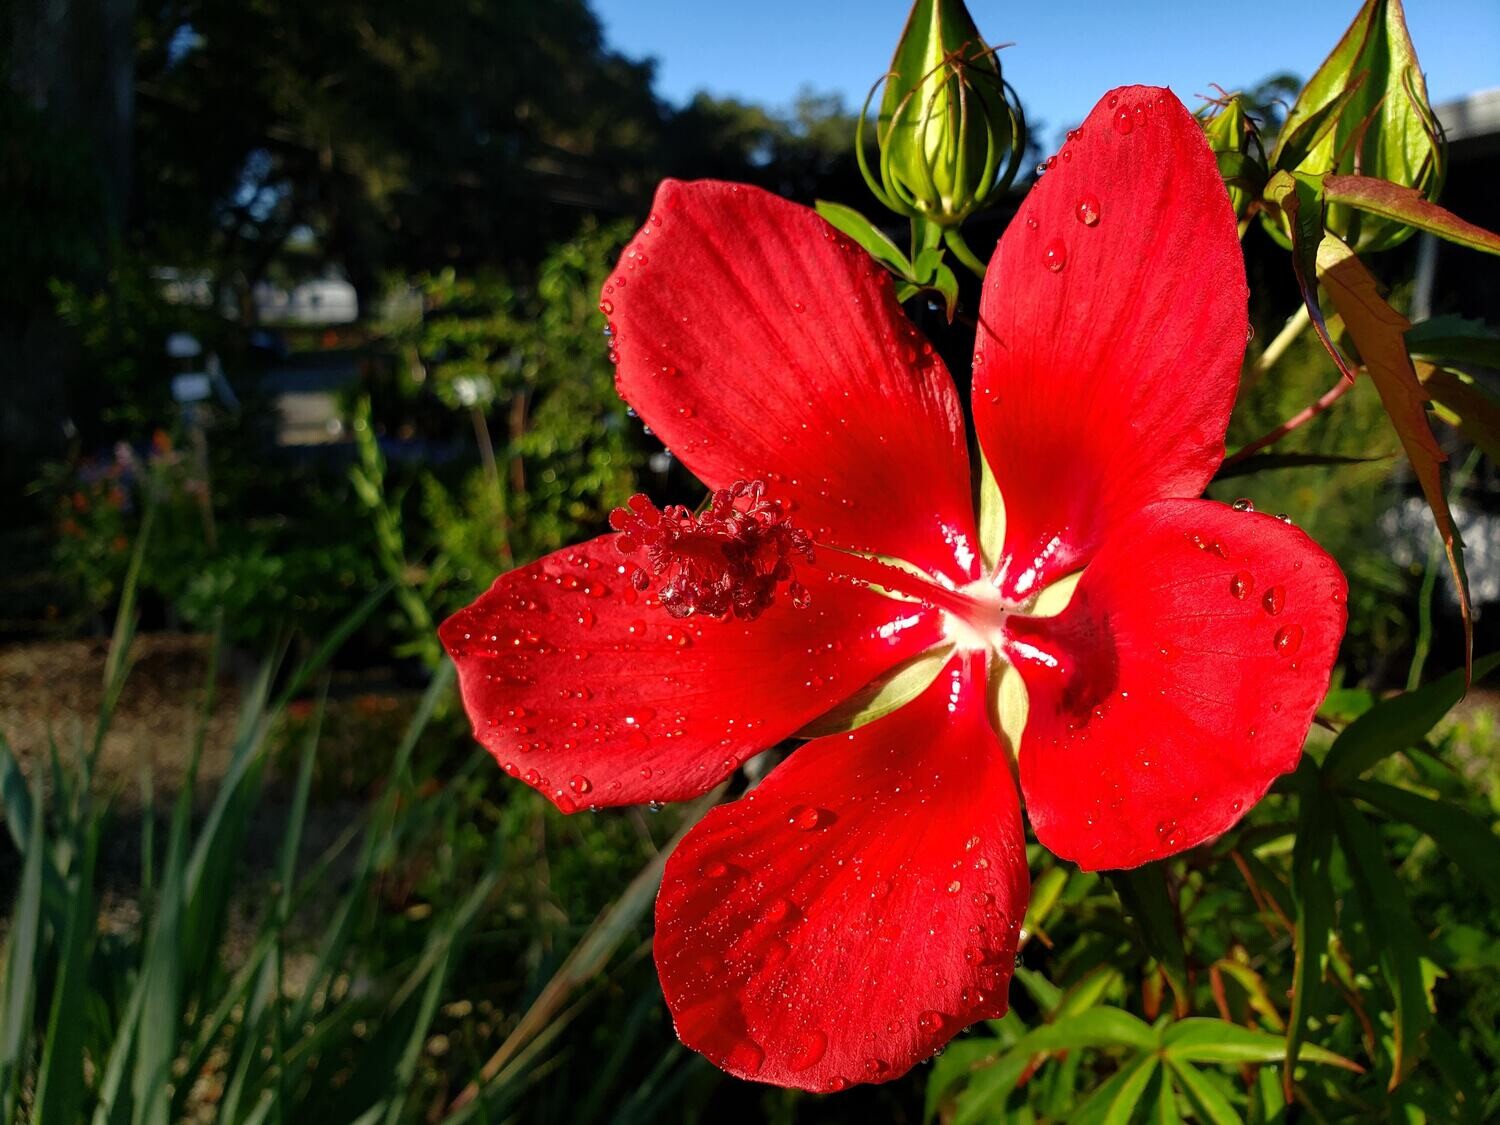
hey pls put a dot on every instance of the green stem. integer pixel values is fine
(961, 251)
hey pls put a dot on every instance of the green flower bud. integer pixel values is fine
(951, 133)
(1232, 136)
(1365, 112)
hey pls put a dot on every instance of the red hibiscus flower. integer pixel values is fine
(861, 906)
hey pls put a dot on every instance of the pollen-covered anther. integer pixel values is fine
(728, 559)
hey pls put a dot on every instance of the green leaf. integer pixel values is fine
(1312, 887)
(983, 1100)
(959, 1060)
(1392, 933)
(1396, 723)
(59, 1089)
(1202, 1090)
(1379, 332)
(1137, 1076)
(1406, 205)
(1461, 837)
(1203, 1040)
(882, 695)
(1145, 895)
(18, 996)
(1454, 339)
(875, 242)
(1095, 1027)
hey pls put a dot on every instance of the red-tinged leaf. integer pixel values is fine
(1379, 332)
(1301, 201)
(1406, 205)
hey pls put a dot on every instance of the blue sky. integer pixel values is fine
(1066, 53)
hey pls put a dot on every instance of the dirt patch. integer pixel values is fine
(52, 690)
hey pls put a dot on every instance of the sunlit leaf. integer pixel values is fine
(1462, 401)
(868, 235)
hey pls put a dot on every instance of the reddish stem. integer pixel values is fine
(1302, 417)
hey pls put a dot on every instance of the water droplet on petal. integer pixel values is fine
(1124, 121)
(1088, 210)
(1056, 255)
(930, 1022)
(1288, 639)
(805, 818)
(808, 1050)
(1241, 585)
(580, 784)
(1273, 600)
(1244, 504)
(746, 1058)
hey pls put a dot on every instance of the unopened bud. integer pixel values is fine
(951, 132)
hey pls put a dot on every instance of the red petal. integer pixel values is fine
(858, 909)
(592, 694)
(759, 343)
(1106, 383)
(1191, 660)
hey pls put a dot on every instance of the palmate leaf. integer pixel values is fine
(1379, 332)
(1202, 1040)
(1204, 1094)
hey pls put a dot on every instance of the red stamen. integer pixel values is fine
(729, 559)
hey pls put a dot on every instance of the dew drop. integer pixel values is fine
(954, 887)
(1244, 504)
(1288, 639)
(580, 784)
(809, 1050)
(1166, 830)
(1241, 585)
(1088, 210)
(746, 1058)
(1030, 224)
(1273, 600)
(805, 818)
(1056, 255)
(1124, 121)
